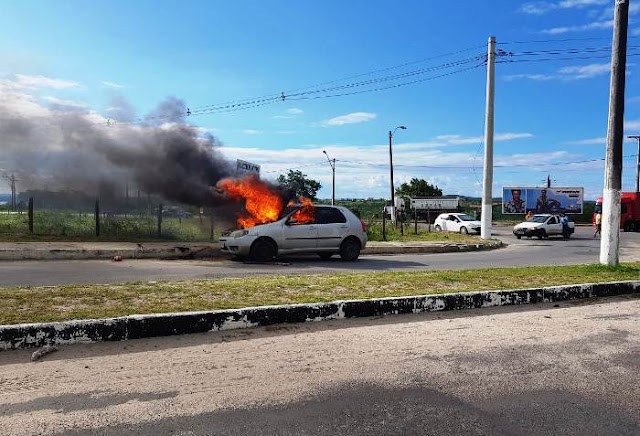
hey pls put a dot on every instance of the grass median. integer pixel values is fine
(60, 303)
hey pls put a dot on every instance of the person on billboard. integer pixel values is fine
(546, 204)
(516, 204)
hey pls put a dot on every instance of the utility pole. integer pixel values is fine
(487, 181)
(332, 163)
(393, 203)
(12, 182)
(637, 162)
(610, 241)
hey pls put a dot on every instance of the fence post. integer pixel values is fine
(384, 226)
(31, 215)
(97, 214)
(415, 220)
(160, 221)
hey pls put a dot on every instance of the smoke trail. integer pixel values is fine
(73, 149)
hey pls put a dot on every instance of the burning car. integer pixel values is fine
(301, 228)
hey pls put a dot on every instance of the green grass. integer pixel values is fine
(59, 303)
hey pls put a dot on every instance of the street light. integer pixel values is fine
(332, 163)
(393, 205)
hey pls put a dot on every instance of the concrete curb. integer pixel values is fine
(167, 324)
(47, 251)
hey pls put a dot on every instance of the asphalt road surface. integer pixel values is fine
(529, 370)
(580, 249)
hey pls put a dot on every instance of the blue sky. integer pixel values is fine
(551, 101)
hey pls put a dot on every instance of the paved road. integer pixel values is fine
(580, 249)
(534, 370)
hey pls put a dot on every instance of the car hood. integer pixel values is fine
(527, 225)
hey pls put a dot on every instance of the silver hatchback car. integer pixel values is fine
(332, 230)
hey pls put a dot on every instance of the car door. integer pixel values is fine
(454, 224)
(553, 226)
(297, 236)
(332, 227)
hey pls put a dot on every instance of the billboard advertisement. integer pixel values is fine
(243, 168)
(518, 200)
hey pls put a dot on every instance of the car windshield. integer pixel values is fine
(466, 218)
(288, 210)
(539, 218)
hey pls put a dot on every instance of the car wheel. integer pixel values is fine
(325, 256)
(542, 234)
(464, 230)
(350, 249)
(438, 228)
(519, 237)
(263, 250)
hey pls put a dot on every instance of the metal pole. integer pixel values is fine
(30, 212)
(637, 162)
(610, 240)
(393, 208)
(487, 194)
(333, 180)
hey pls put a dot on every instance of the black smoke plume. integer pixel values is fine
(158, 154)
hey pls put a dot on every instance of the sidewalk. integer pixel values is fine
(179, 250)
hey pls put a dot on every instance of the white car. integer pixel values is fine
(542, 226)
(333, 230)
(456, 222)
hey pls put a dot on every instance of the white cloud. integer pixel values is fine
(596, 25)
(22, 81)
(591, 141)
(295, 111)
(542, 7)
(252, 132)
(352, 118)
(65, 103)
(112, 85)
(458, 140)
(536, 77)
(586, 71)
(632, 125)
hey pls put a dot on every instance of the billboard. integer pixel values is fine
(518, 199)
(243, 168)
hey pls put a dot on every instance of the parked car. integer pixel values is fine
(542, 226)
(332, 230)
(456, 222)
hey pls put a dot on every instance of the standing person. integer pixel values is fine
(598, 224)
(564, 220)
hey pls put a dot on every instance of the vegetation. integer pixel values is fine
(60, 303)
(418, 188)
(300, 184)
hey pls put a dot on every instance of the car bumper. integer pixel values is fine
(529, 232)
(235, 246)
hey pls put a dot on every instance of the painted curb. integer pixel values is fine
(168, 324)
(187, 251)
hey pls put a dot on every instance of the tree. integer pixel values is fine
(418, 188)
(300, 184)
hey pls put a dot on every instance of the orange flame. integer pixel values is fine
(262, 204)
(306, 214)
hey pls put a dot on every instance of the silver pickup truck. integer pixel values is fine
(543, 226)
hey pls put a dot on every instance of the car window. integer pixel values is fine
(538, 218)
(328, 215)
(552, 220)
(466, 218)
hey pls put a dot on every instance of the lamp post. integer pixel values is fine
(393, 205)
(332, 163)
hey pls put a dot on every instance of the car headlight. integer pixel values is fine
(239, 233)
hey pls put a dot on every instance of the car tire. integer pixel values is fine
(518, 236)
(263, 250)
(542, 235)
(464, 231)
(325, 256)
(438, 228)
(350, 249)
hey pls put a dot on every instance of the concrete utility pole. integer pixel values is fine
(487, 180)
(637, 162)
(12, 182)
(393, 204)
(610, 241)
(332, 164)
